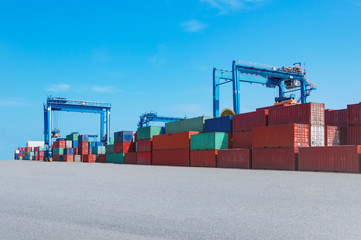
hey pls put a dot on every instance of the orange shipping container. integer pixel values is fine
(290, 135)
(172, 141)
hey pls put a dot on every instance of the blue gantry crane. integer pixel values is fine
(289, 80)
(56, 104)
(146, 118)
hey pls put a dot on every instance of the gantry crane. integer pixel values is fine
(55, 104)
(146, 118)
(288, 80)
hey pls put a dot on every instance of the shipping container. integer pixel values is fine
(247, 121)
(68, 151)
(123, 136)
(58, 151)
(333, 136)
(83, 138)
(354, 114)
(209, 141)
(173, 141)
(144, 145)
(330, 159)
(102, 158)
(72, 137)
(234, 158)
(115, 158)
(178, 157)
(130, 158)
(109, 149)
(354, 135)
(343, 137)
(242, 139)
(336, 117)
(191, 124)
(83, 144)
(56, 157)
(68, 158)
(144, 158)
(274, 158)
(68, 144)
(83, 151)
(289, 135)
(75, 144)
(307, 113)
(123, 147)
(203, 158)
(59, 144)
(90, 158)
(148, 132)
(317, 136)
(98, 150)
(220, 124)
(77, 158)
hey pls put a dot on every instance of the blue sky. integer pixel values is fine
(158, 55)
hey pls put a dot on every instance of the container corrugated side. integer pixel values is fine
(209, 141)
(191, 124)
(274, 158)
(203, 158)
(234, 158)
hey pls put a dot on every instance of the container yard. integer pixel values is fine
(202, 119)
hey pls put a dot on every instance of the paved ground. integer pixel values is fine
(106, 201)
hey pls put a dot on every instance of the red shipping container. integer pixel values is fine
(56, 157)
(247, 121)
(41, 153)
(234, 158)
(28, 149)
(173, 141)
(68, 158)
(242, 139)
(274, 158)
(101, 158)
(59, 144)
(35, 149)
(330, 159)
(144, 158)
(36, 158)
(354, 114)
(336, 117)
(83, 151)
(144, 145)
(123, 147)
(177, 157)
(354, 135)
(76, 151)
(41, 158)
(130, 158)
(204, 158)
(89, 158)
(333, 136)
(308, 113)
(82, 145)
(343, 137)
(290, 135)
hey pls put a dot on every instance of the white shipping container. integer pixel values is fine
(35, 144)
(77, 158)
(68, 144)
(317, 136)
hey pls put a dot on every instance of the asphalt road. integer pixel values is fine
(41, 200)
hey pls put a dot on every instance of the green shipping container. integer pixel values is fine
(109, 149)
(58, 151)
(98, 150)
(114, 158)
(209, 141)
(192, 124)
(148, 132)
(29, 154)
(72, 137)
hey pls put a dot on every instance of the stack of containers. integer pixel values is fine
(123, 143)
(68, 155)
(84, 150)
(172, 149)
(144, 142)
(205, 146)
(73, 137)
(336, 127)
(40, 153)
(58, 149)
(276, 147)
(29, 154)
(308, 113)
(354, 124)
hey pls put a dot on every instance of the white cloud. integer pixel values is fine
(12, 102)
(193, 25)
(232, 5)
(58, 88)
(105, 89)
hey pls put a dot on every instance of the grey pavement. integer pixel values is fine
(40, 200)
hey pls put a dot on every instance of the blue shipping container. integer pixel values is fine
(75, 144)
(68, 151)
(98, 144)
(221, 124)
(123, 136)
(83, 138)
